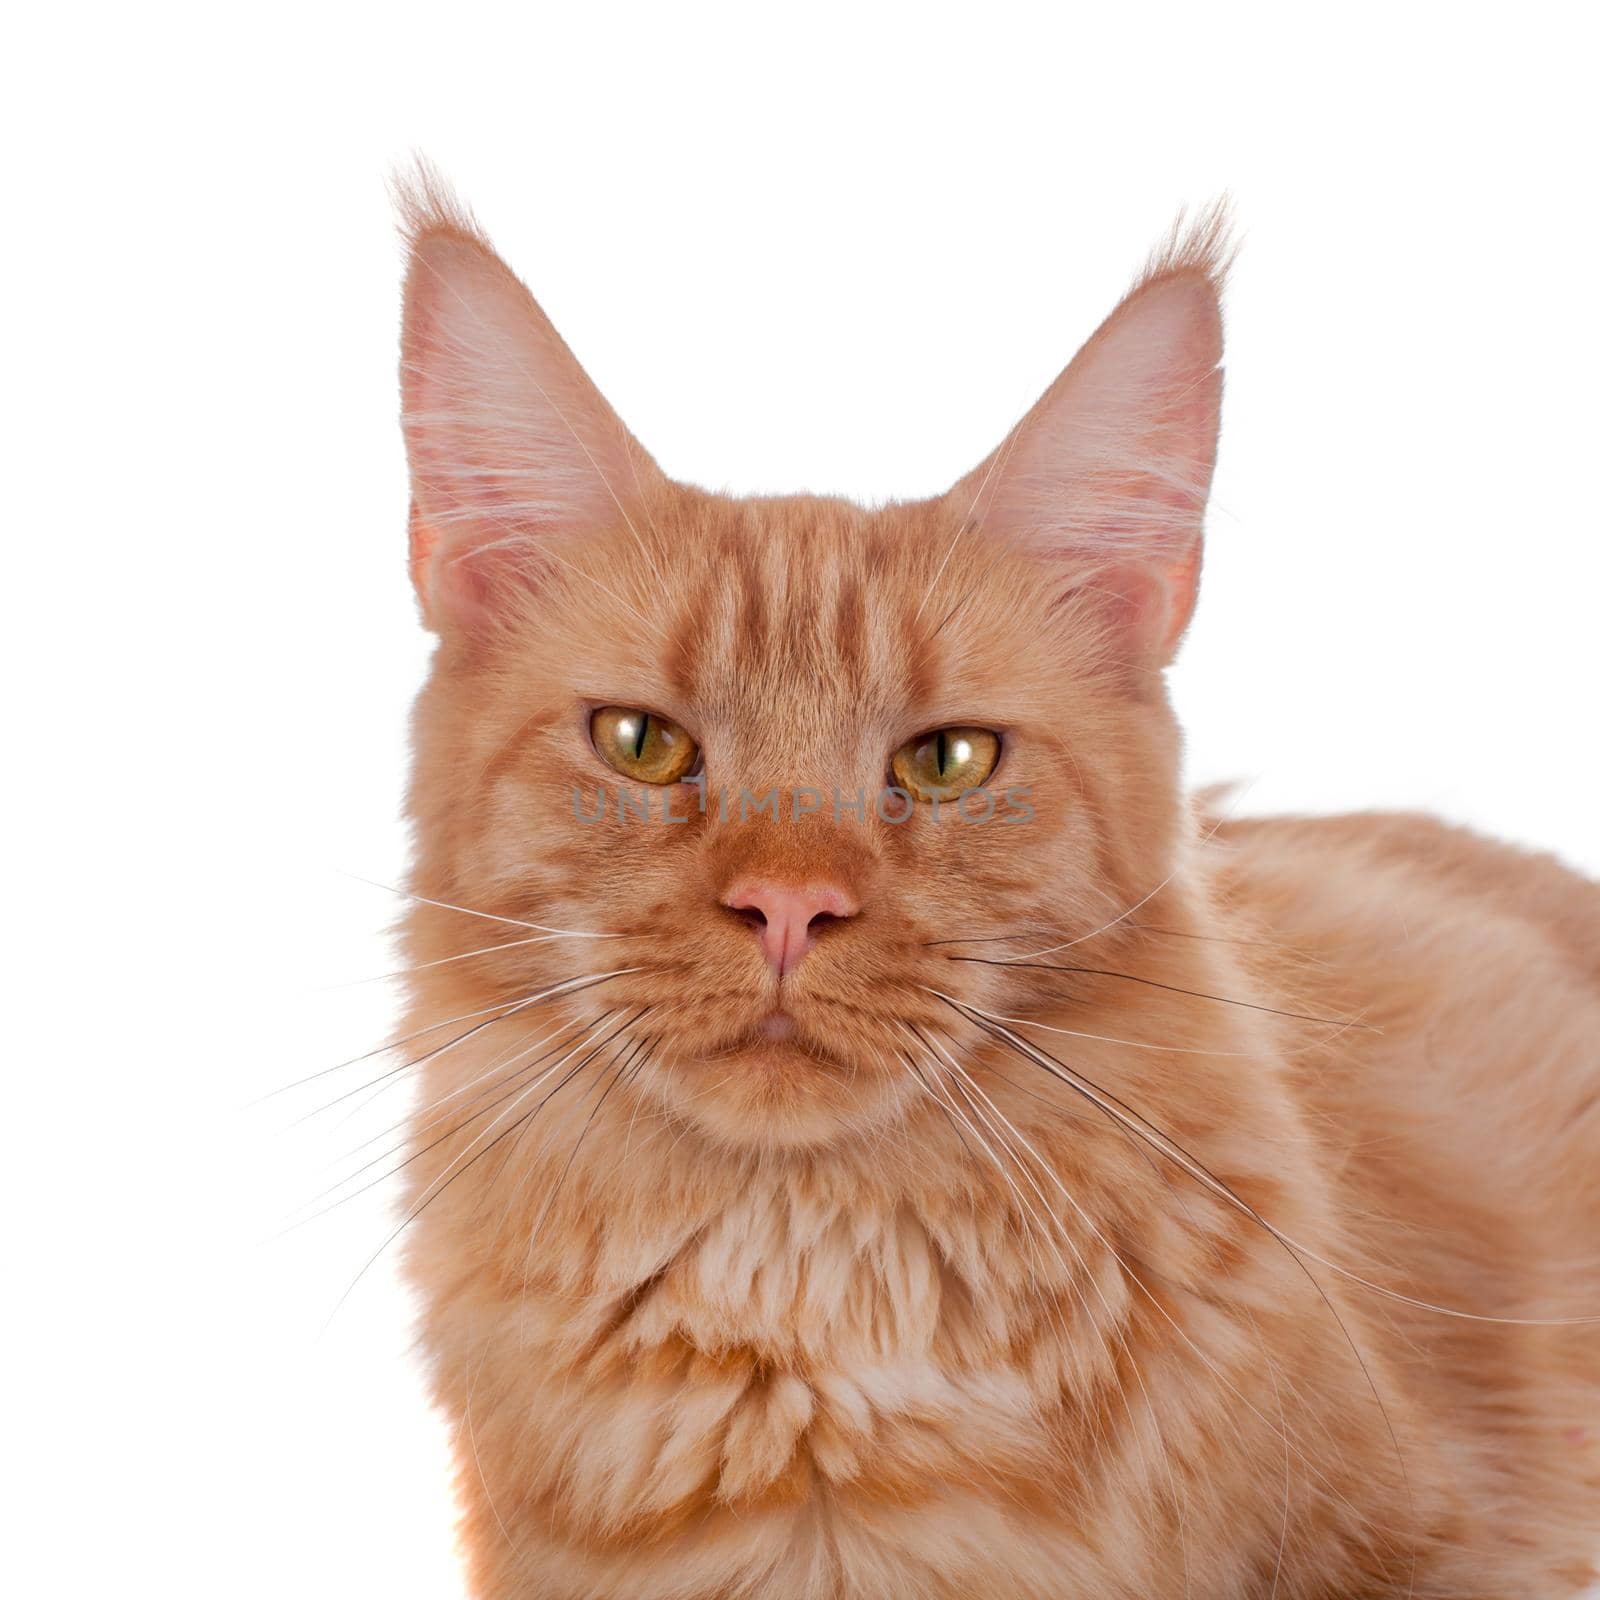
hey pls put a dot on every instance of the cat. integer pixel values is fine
(877, 1137)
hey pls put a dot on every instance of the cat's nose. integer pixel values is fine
(787, 917)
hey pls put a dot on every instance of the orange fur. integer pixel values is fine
(890, 1310)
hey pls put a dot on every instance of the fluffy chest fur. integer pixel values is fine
(960, 1357)
(794, 1391)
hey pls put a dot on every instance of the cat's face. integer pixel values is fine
(663, 725)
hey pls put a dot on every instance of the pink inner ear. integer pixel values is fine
(1109, 473)
(462, 582)
(421, 542)
(1182, 580)
(509, 442)
(1145, 605)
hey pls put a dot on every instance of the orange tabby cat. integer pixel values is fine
(897, 1146)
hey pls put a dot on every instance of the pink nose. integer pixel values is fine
(787, 918)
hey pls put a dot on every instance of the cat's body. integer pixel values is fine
(1004, 1241)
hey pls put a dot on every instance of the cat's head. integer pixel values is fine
(691, 747)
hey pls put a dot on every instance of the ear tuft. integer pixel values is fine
(1204, 245)
(425, 204)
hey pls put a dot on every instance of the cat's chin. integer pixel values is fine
(775, 1086)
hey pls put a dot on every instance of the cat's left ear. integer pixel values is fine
(1107, 476)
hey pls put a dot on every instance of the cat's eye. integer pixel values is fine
(945, 763)
(642, 746)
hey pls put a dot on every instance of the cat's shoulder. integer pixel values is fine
(1410, 858)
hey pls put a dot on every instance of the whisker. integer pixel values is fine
(1033, 1230)
(1236, 801)
(1116, 1256)
(565, 987)
(1171, 988)
(384, 1086)
(1103, 1038)
(378, 1050)
(1121, 1112)
(577, 1144)
(408, 1066)
(458, 1168)
(468, 955)
(459, 1127)
(955, 1127)
(491, 916)
(425, 1119)
(620, 1037)
(1134, 1278)
(644, 1061)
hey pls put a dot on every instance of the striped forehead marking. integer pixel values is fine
(769, 610)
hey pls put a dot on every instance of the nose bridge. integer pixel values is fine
(794, 846)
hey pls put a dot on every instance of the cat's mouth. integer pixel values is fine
(785, 1075)
(775, 1034)
(777, 1025)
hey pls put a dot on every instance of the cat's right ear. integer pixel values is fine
(509, 442)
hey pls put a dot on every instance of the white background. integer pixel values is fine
(799, 248)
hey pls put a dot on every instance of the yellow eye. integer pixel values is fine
(945, 763)
(641, 745)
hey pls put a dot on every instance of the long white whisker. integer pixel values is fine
(1173, 1152)
(505, 1059)
(445, 905)
(378, 1050)
(468, 955)
(457, 1165)
(1161, 1310)
(1099, 1038)
(582, 981)
(423, 1118)
(1083, 1216)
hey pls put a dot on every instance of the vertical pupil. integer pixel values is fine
(638, 743)
(941, 751)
